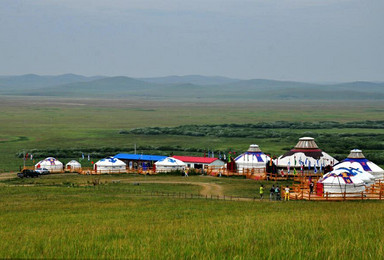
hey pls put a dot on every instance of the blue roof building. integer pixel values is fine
(136, 161)
(139, 157)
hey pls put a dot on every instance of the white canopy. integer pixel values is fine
(343, 180)
(306, 153)
(110, 165)
(357, 160)
(169, 164)
(51, 164)
(252, 159)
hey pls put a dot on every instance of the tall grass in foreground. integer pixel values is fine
(84, 222)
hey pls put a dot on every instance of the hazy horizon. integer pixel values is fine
(292, 40)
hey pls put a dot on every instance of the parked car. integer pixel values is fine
(26, 173)
(42, 171)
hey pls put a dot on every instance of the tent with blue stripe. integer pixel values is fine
(170, 164)
(109, 165)
(343, 180)
(253, 158)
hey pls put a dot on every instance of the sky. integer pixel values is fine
(303, 40)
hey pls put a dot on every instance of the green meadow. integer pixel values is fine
(171, 217)
(65, 216)
(44, 123)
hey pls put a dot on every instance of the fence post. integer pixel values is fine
(362, 196)
(309, 195)
(326, 195)
(344, 194)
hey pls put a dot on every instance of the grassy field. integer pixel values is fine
(60, 216)
(43, 123)
(66, 216)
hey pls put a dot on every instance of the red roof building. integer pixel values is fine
(199, 162)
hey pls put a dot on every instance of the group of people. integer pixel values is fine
(274, 193)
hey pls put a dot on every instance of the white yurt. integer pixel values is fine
(306, 153)
(343, 180)
(357, 160)
(110, 165)
(73, 166)
(169, 164)
(253, 158)
(51, 164)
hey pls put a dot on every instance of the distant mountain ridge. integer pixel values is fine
(187, 88)
(190, 79)
(32, 81)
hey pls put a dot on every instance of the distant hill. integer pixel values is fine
(236, 90)
(190, 79)
(32, 81)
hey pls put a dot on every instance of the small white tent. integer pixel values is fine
(73, 166)
(110, 165)
(253, 158)
(343, 180)
(357, 160)
(51, 164)
(169, 164)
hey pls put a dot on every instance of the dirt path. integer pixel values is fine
(208, 189)
(8, 175)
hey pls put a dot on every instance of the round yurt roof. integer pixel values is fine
(356, 154)
(73, 163)
(306, 143)
(110, 161)
(254, 148)
(49, 161)
(170, 161)
(305, 151)
(307, 146)
(357, 160)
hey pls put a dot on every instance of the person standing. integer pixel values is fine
(286, 194)
(272, 193)
(311, 185)
(261, 192)
(277, 193)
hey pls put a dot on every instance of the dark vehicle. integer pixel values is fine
(42, 171)
(28, 174)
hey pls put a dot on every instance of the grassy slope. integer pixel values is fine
(107, 221)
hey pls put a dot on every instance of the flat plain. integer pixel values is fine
(28, 123)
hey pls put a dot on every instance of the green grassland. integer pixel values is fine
(60, 216)
(68, 216)
(44, 123)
